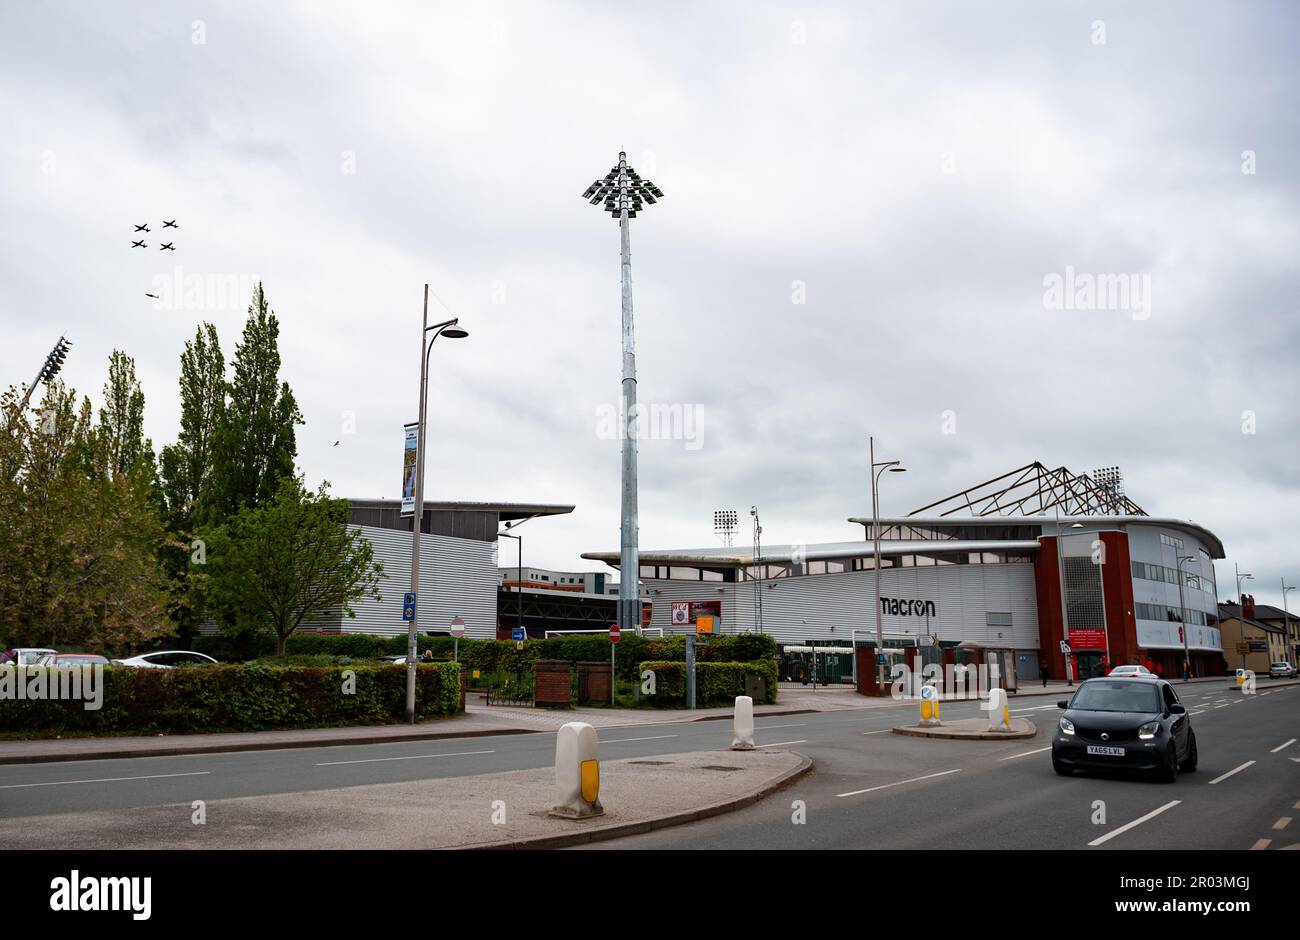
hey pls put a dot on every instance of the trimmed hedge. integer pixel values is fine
(249, 697)
(715, 683)
(501, 655)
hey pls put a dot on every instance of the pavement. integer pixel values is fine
(489, 811)
(478, 721)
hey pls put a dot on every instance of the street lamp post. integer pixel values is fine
(623, 193)
(893, 466)
(1182, 613)
(1286, 613)
(451, 330)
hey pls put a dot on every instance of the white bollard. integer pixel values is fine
(742, 724)
(577, 772)
(999, 711)
(929, 706)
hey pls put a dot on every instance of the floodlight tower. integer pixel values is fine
(623, 192)
(724, 525)
(49, 369)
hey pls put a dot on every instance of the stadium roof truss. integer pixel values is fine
(1034, 490)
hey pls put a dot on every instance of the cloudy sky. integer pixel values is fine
(865, 207)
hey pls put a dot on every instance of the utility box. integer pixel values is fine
(756, 687)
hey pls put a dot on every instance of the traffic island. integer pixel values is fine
(488, 811)
(971, 729)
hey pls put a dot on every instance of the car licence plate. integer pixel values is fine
(1105, 751)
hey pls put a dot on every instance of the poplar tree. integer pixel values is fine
(255, 445)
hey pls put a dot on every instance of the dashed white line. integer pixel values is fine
(1281, 746)
(1235, 770)
(1137, 822)
(770, 727)
(61, 783)
(886, 786)
(1261, 844)
(1026, 753)
(881, 731)
(1282, 823)
(1201, 712)
(378, 760)
(781, 744)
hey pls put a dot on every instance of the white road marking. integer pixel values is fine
(1282, 823)
(1137, 822)
(881, 731)
(378, 760)
(60, 783)
(1201, 712)
(1037, 708)
(1224, 705)
(1234, 770)
(780, 744)
(1026, 753)
(769, 727)
(886, 786)
(1261, 844)
(1280, 746)
(653, 737)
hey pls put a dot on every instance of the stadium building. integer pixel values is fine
(1007, 569)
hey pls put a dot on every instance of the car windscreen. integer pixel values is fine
(1101, 696)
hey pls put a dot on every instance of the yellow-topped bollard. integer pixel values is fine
(929, 706)
(577, 772)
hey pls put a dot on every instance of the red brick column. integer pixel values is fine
(553, 683)
(1117, 596)
(1047, 585)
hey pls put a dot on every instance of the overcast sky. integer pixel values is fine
(864, 206)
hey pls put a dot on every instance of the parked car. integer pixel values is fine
(1131, 671)
(1281, 671)
(1125, 723)
(167, 659)
(28, 655)
(72, 659)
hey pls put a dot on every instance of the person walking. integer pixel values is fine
(1042, 671)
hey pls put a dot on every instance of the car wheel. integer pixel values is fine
(1189, 764)
(1169, 773)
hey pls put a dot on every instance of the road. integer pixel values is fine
(871, 789)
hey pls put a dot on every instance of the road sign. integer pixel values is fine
(1065, 647)
(1243, 649)
(408, 606)
(457, 627)
(518, 634)
(613, 633)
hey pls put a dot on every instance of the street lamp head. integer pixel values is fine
(622, 189)
(455, 332)
(897, 469)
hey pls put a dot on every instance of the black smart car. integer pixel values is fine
(1125, 723)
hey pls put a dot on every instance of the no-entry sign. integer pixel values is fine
(613, 634)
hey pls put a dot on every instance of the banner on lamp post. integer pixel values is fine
(409, 455)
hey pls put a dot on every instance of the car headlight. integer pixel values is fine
(1067, 726)
(1149, 730)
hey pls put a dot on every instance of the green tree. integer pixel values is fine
(255, 444)
(294, 560)
(79, 535)
(187, 464)
(121, 418)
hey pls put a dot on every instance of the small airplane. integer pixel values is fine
(167, 246)
(171, 224)
(139, 244)
(154, 296)
(336, 443)
(142, 228)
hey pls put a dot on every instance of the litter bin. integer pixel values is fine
(756, 687)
